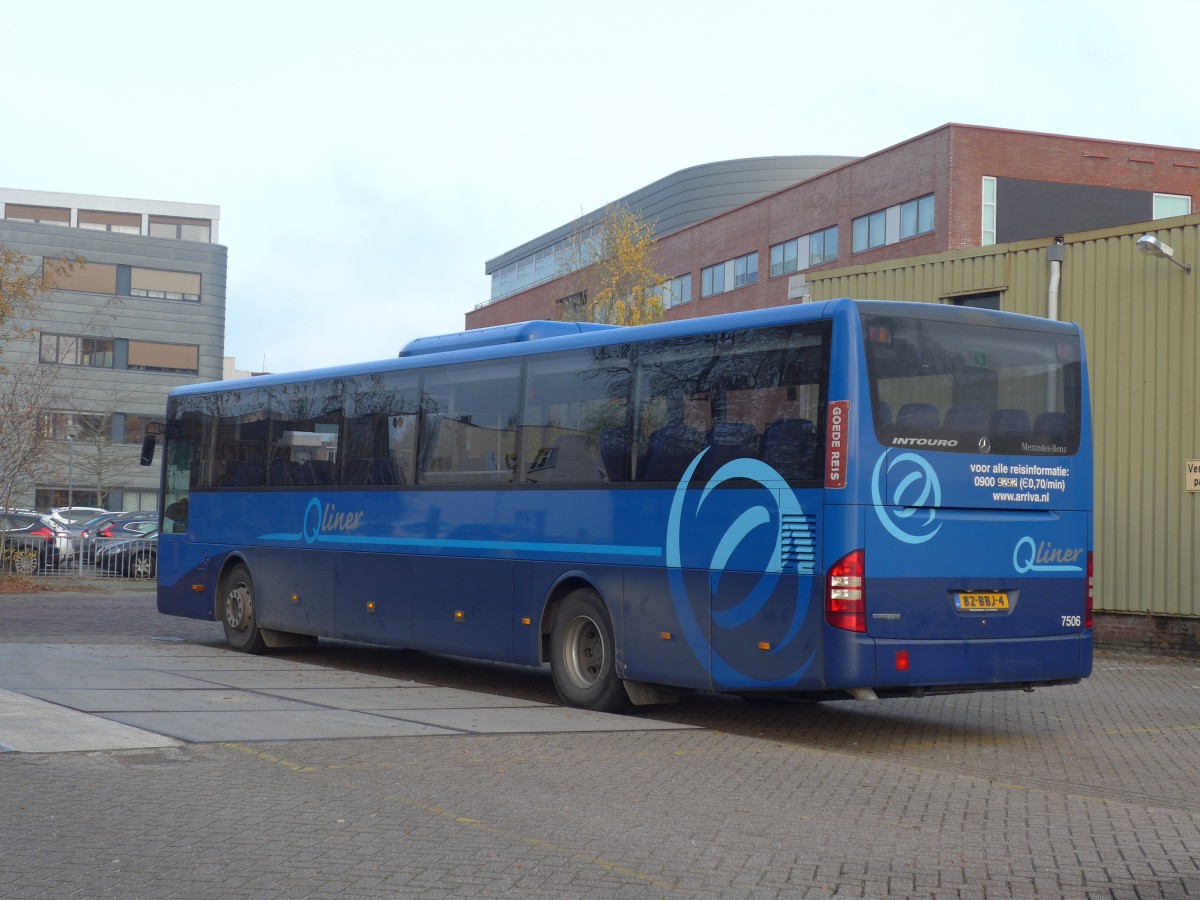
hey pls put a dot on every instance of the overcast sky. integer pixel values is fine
(369, 157)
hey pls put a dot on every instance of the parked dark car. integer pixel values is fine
(111, 525)
(28, 543)
(129, 525)
(132, 557)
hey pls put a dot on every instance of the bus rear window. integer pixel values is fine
(973, 388)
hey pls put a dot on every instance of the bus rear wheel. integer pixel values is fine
(237, 611)
(583, 660)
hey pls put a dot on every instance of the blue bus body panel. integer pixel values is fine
(710, 586)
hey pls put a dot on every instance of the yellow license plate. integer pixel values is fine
(981, 601)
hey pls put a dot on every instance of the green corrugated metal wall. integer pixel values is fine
(1142, 328)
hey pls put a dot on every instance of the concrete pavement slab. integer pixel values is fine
(29, 725)
(533, 720)
(199, 693)
(307, 676)
(205, 699)
(274, 725)
(399, 698)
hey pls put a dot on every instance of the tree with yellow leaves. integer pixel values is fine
(24, 283)
(613, 278)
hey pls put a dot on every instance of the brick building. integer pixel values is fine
(955, 187)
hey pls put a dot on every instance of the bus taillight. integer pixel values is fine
(844, 605)
(1087, 609)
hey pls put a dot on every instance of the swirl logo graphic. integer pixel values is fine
(791, 528)
(910, 512)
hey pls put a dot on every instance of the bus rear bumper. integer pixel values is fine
(982, 665)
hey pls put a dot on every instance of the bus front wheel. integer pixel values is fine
(238, 613)
(583, 658)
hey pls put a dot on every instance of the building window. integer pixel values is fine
(802, 252)
(94, 278)
(725, 276)
(559, 258)
(573, 307)
(869, 231)
(823, 246)
(118, 222)
(712, 280)
(988, 237)
(75, 350)
(987, 300)
(155, 357)
(745, 270)
(916, 217)
(896, 223)
(674, 291)
(135, 427)
(75, 426)
(1168, 205)
(162, 285)
(37, 215)
(181, 229)
(784, 257)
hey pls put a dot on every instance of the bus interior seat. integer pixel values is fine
(789, 446)
(922, 416)
(1008, 421)
(383, 471)
(367, 470)
(614, 453)
(669, 452)
(250, 473)
(1054, 424)
(318, 471)
(728, 441)
(965, 417)
(283, 471)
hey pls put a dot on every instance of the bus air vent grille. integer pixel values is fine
(799, 551)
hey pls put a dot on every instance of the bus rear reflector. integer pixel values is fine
(1087, 609)
(844, 603)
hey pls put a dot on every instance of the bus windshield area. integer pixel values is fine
(967, 388)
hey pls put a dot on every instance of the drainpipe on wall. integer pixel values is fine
(1055, 253)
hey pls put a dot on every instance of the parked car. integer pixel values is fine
(128, 525)
(62, 540)
(133, 557)
(28, 543)
(71, 515)
(83, 535)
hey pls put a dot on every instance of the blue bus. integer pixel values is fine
(831, 500)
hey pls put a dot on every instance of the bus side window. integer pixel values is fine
(789, 446)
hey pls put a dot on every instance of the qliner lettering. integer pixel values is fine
(339, 521)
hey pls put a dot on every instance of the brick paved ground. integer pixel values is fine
(1087, 791)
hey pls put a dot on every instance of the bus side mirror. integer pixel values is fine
(148, 443)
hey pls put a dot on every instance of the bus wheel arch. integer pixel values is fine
(580, 642)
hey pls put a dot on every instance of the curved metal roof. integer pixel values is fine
(691, 195)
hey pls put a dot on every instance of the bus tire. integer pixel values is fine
(583, 659)
(237, 611)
